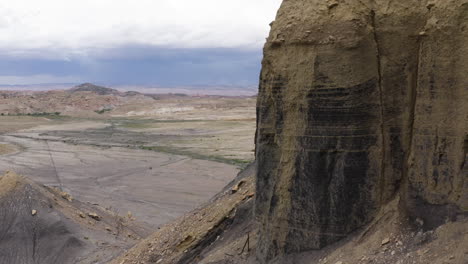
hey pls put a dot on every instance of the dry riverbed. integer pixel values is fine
(156, 169)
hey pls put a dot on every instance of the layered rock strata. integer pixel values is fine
(360, 101)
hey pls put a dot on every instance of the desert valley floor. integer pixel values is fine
(156, 166)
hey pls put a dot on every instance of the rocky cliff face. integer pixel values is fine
(360, 101)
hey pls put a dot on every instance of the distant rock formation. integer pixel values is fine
(132, 93)
(360, 102)
(89, 87)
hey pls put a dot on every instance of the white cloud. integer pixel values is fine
(73, 26)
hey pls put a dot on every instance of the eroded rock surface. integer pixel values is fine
(41, 226)
(360, 101)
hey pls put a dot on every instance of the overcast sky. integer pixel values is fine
(211, 41)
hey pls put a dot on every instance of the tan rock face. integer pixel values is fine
(359, 101)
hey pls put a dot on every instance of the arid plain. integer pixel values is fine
(156, 156)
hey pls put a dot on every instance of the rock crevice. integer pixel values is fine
(382, 121)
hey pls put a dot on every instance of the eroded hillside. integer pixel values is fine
(45, 225)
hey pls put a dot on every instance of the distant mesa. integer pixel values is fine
(89, 87)
(132, 93)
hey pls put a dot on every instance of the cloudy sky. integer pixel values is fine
(142, 42)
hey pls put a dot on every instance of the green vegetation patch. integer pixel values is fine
(35, 114)
(178, 151)
(152, 123)
(102, 111)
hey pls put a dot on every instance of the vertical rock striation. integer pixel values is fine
(360, 101)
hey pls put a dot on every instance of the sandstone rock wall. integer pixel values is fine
(360, 101)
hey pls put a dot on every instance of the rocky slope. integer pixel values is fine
(214, 233)
(41, 225)
(360, 102)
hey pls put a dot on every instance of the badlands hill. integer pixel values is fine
(101, 90)
(92, 101)
(44, 225)
(89, 87)
(85, 100)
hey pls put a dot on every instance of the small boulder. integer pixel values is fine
(385, 241)
(94, 216)
(237, 187)
(66, 196)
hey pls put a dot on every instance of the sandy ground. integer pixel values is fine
(69, 126)
(7, 149)
(14, 123)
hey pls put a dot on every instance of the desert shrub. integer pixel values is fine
(102, 111)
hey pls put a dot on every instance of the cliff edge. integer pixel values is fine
(360, 102)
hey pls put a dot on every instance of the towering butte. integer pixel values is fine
(361, 102)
